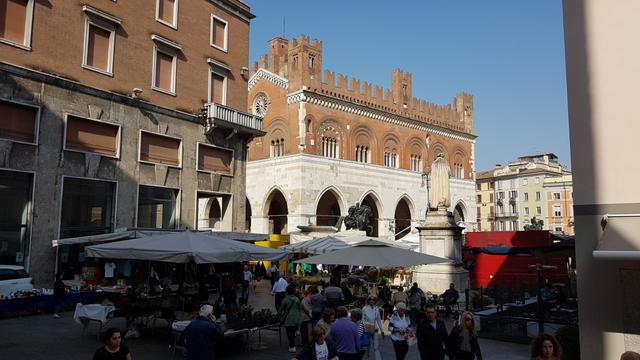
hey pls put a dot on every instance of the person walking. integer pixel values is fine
(202, 334)
(432, 336)
(317, 304)
(328, 318)
(344, 334)
(399, 297)
(400, 327)
(463, 340)
(247, 276)
(373, 326)
(305, 320)
(279, 289)
(274, 273)
(289, 315)
(416, 300)
(546, 347)
(59, 293)
(334, 296)
(319, 349)
(113, 348)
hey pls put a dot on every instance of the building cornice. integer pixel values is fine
(341, 105)
(267, 75)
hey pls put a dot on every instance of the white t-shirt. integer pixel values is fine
(247, 275)
(322, 351)
(109, 269)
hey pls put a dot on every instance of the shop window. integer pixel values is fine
(214, 159)
(160, 149)
(16, 17)
(87, 207)
(157, 207)
(92, 136)
(15, 216)
(219, 33)
(18, 122)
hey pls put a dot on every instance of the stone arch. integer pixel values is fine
(276, 210)
(247, 214)
(329, 207)
(372, 200)
(459, 212)
(363, 145)
(435, 149)
(403, 215)
(214, 213)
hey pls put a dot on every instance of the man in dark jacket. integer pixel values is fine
(202, 334)
(432, 336)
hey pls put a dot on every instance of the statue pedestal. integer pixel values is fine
(440, 236)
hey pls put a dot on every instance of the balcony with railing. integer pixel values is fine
(506, 214)
(221, 116)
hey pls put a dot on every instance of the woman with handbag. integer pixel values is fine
(289, 315)
(400, 329)
(373, 326)
(463, 339)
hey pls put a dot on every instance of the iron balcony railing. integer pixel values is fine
(216, 112)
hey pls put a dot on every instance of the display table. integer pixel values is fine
(45, 303)
(85, 314)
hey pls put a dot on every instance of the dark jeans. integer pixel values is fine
(279, 297)
(58, 305)
(348, 356)
(464, 355)
(245, 289)
(401, 348)
(291, 335)
(304, 332)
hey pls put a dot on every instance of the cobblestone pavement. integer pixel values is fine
(42, 337)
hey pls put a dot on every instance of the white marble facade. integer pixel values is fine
(304, 178)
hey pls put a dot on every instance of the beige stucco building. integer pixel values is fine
(603, 73)
(509, 196)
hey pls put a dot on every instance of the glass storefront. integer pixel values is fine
(157, 207)
(15, 216)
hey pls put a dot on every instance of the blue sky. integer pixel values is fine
(508, 54)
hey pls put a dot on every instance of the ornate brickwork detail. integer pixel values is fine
(269, 76)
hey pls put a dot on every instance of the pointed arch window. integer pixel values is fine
(276, 148)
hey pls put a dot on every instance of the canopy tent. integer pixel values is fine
(183, 247)
(331, 243)
(374, 253)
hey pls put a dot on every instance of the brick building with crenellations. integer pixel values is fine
(333, 141)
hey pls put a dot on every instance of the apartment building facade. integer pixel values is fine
(119, 114)
(333, 142)
(522, 190)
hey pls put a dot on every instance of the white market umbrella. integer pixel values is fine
(374, 253)
(184, 247)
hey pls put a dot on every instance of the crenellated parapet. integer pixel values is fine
(300, 61)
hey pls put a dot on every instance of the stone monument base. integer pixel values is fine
(440, 236)
(437, 277)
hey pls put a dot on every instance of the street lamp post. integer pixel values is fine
(426, 182)
(539, 268)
